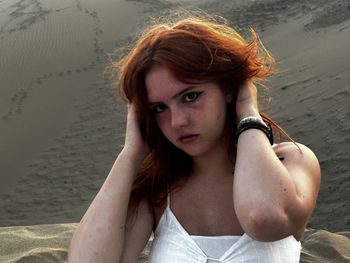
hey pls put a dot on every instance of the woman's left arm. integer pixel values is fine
(274, 188)
(304, 170)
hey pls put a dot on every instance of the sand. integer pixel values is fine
(49, 243)
(61, 125)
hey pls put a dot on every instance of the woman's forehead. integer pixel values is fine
(162, 84)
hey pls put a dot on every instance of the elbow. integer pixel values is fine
(266, 225)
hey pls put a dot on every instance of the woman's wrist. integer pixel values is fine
(252, 112)
(252, 122)
(131, 156)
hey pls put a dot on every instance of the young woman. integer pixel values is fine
(199, 168)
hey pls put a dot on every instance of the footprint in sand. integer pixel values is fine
(7, 116)
(14, 98)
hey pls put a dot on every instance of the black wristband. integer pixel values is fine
(254, 123)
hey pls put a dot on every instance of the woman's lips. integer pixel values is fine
(188, 138)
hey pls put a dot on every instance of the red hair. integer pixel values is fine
(195, 51)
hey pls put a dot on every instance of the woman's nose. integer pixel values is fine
(179, 118)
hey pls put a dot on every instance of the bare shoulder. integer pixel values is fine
(292, 148)
(140, 216)
(304, 169)
(296, 155)
(138, 230)
(302, 165)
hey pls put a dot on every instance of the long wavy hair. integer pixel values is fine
(195, 50)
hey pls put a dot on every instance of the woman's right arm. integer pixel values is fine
(101, 234)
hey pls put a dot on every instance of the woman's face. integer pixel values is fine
(191, 116)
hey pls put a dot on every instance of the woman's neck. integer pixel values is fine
(217, 162)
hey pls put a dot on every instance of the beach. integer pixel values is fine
(62, 123)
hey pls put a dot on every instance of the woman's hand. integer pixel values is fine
(134, 146)
(247, 101)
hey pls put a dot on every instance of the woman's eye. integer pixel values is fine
(191, 96)
(158, 108)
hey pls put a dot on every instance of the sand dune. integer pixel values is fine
(61, 126)
(44, 243)
(323, 246)
(49, 243)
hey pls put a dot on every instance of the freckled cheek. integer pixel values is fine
(217, 119)
(163, 125)
(220, 117)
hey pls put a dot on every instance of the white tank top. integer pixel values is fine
(172, 244)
